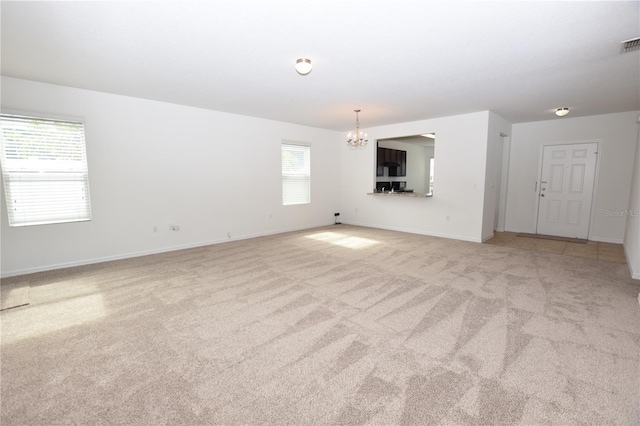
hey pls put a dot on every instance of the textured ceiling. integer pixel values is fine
(396, 60)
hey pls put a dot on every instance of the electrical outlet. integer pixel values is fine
(174, 228)
(229, 234)
(155, 229)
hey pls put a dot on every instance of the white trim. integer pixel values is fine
(606, 239)
(634, 274)
(413, 231)
(43, 115)
(7, 274)
(292, 142)
(591, 237)
(504, 182)
(520, 230)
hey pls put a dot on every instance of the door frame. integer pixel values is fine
(596, 181)
(504, 183)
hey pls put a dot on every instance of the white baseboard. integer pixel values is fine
(591, 237)
(520, 230)
(419, 232)
(83, 262)
(6, 274)
(606, 240)
(634, 270)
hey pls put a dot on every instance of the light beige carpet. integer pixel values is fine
(13, 295)
(335, 325)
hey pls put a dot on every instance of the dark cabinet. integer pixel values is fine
(390, 157)
(400, 161)
(394, 159)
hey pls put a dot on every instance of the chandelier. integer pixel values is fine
(357, 139)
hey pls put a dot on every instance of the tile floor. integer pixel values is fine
(590, 250)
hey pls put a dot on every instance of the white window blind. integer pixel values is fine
(44, 168)
(296, 174)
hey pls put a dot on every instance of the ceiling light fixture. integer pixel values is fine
(357, 139)
(561, 112)
(303, 66)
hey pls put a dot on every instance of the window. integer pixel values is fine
(44, 168)
(296, 174)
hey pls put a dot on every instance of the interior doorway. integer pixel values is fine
(566, 189)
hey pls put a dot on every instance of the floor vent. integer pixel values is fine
(630, 45)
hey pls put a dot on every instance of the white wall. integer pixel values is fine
(212, 173)
(497, 126)
(617, 134)
(456, 208)
(632, 232)
(156, 164)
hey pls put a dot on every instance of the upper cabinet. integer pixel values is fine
(401, 160)
(394, 159)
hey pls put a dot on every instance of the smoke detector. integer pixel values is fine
(630, 45)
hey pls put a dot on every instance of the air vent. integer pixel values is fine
(630, 45)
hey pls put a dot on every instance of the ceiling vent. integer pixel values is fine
(630, 45)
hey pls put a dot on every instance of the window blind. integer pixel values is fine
(296, 174)
(44, 168)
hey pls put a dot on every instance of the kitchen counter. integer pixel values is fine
(400, 194)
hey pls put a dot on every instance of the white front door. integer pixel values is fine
(566, 189)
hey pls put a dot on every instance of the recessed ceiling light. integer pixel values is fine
(303, 66)
(429, 135)
(561, 112)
